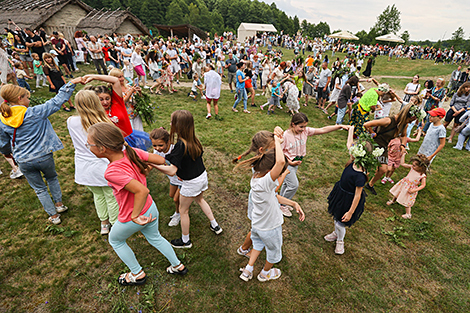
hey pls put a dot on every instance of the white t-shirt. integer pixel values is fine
(172, 53)
(266, 213)
(89, 170)
(173, 179)
(194, 86)
(213, 83)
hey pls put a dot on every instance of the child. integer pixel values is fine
(20, 76)
(128, 71)
(295, 149)
(167, 77)
(396, 149)
(406, 190)
(275, 96)
(292, 102)
(54, 77)
(267, 93)
(435, 138)
(346, 200)
(37, 65)
(196, 86)
(267, 220)
(187, 157)
(126, 174)
(162, 146)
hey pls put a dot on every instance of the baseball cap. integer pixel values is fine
(437, 112)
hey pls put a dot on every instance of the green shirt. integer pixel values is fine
(299, 82)
(37, 70)
(369, 99)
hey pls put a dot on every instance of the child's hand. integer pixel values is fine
(301, 213)
(346, 217)
(295, 163)
(142, 219)
(411, 190)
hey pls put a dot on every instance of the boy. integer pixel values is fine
(37, 65)
(275, 97)
(196, 86)
(20, 77)
(435, 138)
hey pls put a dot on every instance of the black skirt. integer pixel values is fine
(339, 202)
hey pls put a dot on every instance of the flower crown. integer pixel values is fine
(417, 112)
(364, 153)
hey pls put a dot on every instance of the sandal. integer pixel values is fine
(406, 216)
(177, 270)
(246, 275)
(132, 279)
(274, 273)
(305, 104)
(390, 202)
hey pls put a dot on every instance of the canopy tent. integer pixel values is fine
(246, 30)
(390, 38)
(344, 35)
(182, 31)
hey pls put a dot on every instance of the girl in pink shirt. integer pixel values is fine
(126, 175)
(295, 149)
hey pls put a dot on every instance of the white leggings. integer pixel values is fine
(340, 230)
(40, 77)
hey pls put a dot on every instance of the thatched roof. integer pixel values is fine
(108, 21)
(182, 31)
(33, 13)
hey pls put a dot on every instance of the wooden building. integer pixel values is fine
(182, 31)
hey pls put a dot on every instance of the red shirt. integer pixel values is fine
(118, 114)
(105, 52)
(119, 174)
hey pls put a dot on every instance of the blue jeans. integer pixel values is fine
(241, 93)
(253, 81)
(32, 171)
(23, 83)
(340, 116)
(121, 231)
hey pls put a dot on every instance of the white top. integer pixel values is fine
(410, 87)
(136, 59)
(173, 179)
(213, 83)
(172, 53)
(128, 71)
(194, 86)
(126, 51)
(266, 213)
(89, 170)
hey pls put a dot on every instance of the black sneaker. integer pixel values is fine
(216, 229)
(371, 189)
(178, 244)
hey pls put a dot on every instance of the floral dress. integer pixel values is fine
(400, 190)
(292, 101)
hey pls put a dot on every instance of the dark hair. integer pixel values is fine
(100, 89)
(430, 83)
(160, 134)
(298, 118)
(182, 124)
(353, 81)
(240, 64)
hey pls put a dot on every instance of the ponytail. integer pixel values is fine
(11, 94)
(262, 139)
(134, 158)
(5, 109)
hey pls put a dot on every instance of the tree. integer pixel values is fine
(457, 39)
(304, 26)
(388, 21)
(405, 36)
(174, 13)
(205, 20)
(296, 24)
(193, 16)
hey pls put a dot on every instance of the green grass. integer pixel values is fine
(390, 265)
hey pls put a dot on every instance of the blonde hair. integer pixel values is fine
(89, 109)
(262, 139)
(11, 94)
(116, 72)
(48, 55)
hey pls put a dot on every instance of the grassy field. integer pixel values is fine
(390, 264)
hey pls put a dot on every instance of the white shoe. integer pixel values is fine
(45, 85)
(175, 220)
(203, 97)
(146, 87)
(17, 174)
(208, 116)
(55, 220)
(1, 172)
(339, 247)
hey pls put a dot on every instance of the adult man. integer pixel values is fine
(58, 44)
(323, 83)
(463, 78)
(174, 66)
(454, 79)
(96, 54)
(34, 42)
(231, 65)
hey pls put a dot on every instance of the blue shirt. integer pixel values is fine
(276, 90)
(242, 76)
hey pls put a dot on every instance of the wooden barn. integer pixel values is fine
(182, 31)
(121, 22)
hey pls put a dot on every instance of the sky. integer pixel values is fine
(430, 19)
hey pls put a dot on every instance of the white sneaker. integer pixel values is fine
(203, 97)
(208, 116)
(17, 174)
(1, 172)
(55, 220)
(105, 229)
(146, 87)
(175, 220)
(339, 247)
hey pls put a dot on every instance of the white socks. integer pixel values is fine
(185, 238)
(249, 268)
(265, 273)
(214, 223)
(340, 230)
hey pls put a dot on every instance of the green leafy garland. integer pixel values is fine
(143, 107)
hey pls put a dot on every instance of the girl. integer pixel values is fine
(249, 83)
(187, 157)
(162, 146)
(38, 71)
(167, 77)
(155, 71)
(412, 89)
(111, 99)
(295, 149)
(406, 190)
(55, 78)
(336, 85)
(126, 174)
(89, 170)
(266, 223)
(309, 84)
(346, 200)
(292, 101)
(32, 139)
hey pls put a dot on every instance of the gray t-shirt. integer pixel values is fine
(431, 140)
(232, 63)
(324, 74)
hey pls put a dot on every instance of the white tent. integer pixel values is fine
(390, 38)
(344, 35)
(246, 30)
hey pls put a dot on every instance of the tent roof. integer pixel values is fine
(181, 30)
(390, 37)
(257, 27)
(344, 35)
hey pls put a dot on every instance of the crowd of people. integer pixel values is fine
(111, 146)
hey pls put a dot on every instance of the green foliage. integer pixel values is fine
(143, 107)
(312, 30)
(388, 21)
(36, 100)
(405, 36)
(57, 230)
(397, 235)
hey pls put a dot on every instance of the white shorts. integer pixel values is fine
(194, 187)
(271, 240)
(175, 68)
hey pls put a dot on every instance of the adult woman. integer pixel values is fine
(389, 128)
(128, 96)
(412, 88)
(344, 98)
(309, 84)
(368, 70)
(213, 83)
(32, 138)
(278, 73)
(464, 133)
(112, 100)
(89, 170)
(434, 97)
(81, 45)
(368, 103)
(248, 83)
(459, 104)
(138, 64)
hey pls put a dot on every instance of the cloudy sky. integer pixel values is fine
(430, 19)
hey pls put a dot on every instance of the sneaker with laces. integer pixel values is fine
(179, 244)
(234, 110)
(285, 211)
(175, 220)
(274, 273)
(55, 220)
(339, 247)
(242, 252)
(246, 275)
(217, 230)
(105, 229)
(17, 174)
(390, 180)
(331, 237)
(60, 209)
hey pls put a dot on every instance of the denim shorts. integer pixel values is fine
(271, 240)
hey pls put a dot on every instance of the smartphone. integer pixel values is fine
(136, 82)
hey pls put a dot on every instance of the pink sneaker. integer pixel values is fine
(331, 237)
(339, 247)
(391, 181)
(384, 180)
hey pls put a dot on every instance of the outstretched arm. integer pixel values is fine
(293, 204)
